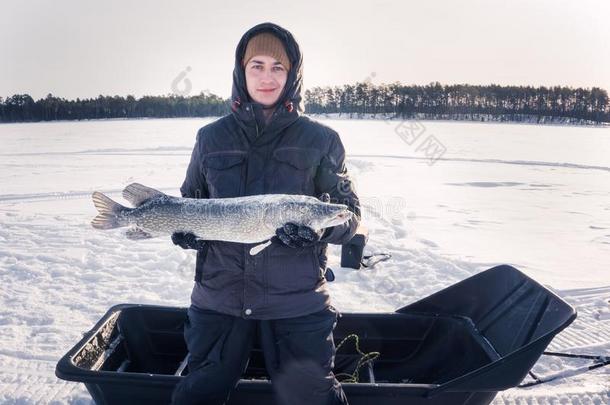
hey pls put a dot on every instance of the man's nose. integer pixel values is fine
(266, 76)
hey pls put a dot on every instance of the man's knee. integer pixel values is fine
(307, 382)
(209, 384)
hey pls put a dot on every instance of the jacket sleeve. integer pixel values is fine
(194, 185)
(332, 178)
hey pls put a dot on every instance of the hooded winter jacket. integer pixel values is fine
(239, 155)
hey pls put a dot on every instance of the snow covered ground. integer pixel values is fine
(447, 199)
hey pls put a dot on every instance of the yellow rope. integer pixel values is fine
(366, 358)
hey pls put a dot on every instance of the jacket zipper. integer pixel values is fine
(246, 249)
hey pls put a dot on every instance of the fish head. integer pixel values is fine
(326, 215)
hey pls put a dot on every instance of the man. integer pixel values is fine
(265, 146)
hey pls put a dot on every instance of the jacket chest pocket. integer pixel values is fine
(294, 170)
(224, 173)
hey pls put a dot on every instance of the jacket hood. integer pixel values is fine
(290, 101)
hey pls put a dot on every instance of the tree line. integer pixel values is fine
(21, 107)
(433, 101)
(436, 99)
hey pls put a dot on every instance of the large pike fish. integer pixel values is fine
(250, 219)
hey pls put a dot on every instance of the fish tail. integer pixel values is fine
(108, 212)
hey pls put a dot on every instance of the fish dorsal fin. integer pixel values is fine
(138, 194)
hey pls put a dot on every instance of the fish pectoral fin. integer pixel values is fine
(136, 233)
(137, 194)
(259, 248)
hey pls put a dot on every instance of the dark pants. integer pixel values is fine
(299, 356)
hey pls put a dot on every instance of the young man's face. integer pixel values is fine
(265, 79)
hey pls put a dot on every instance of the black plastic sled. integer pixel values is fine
(460, 345)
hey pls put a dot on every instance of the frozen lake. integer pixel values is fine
(535, 197)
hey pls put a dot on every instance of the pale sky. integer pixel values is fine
(85, 48)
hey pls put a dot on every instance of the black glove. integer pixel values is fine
(297, 236)
(187, 240)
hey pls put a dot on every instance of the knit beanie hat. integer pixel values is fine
(268, 44)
